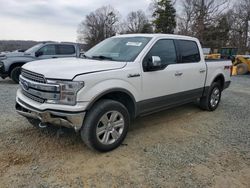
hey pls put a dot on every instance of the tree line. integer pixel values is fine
(216, 23)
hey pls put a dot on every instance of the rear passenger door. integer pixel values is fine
(65, 50)
(192, 68)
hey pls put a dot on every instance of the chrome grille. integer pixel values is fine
(33, 76)
(35, 98)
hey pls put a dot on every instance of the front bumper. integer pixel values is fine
(58, 118)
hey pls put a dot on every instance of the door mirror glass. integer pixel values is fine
(154, 63)
(38, 53)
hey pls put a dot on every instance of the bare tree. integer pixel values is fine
(98, 25)
(242, 18)
(206, 12)
(186, 19)
(137, 22)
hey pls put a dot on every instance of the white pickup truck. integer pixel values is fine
(119, 79)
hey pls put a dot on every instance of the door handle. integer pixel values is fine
(54, 57)
(178, 73)
(134, 75)
(202, 70)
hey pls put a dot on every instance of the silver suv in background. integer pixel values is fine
(11, 63)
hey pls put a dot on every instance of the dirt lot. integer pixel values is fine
(181, 147)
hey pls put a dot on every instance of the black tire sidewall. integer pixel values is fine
(213, 86)
(15, 74)
(93, 118)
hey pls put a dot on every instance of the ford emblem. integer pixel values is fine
(25, 85)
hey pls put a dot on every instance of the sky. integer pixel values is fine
(55, 20)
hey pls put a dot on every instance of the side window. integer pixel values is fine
(189, 51)
(48, 50)
(165, 49)
(64, 49)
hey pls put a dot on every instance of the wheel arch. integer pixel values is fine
(118, 94)
(13, 65)
(220, 79)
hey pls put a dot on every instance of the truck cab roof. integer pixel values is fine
(157, 35)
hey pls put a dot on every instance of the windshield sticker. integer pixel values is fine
(134, 44)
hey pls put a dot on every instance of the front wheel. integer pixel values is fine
(106, 125)
(212, 100)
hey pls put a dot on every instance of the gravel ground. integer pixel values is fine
(180, 147)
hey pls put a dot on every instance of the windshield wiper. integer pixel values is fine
(102, 57)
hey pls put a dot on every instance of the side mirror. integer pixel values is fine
(154, 63)
(39, 53)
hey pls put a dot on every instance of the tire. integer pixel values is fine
(242, 69)
(15, 73)
(106, 120)
(212, 100)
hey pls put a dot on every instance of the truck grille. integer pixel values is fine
(33, 76)
(34, 86)
(35, 98)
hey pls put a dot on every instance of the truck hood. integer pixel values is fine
(68, 68)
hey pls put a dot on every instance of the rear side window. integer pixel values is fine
(165, 49)
(189, 51)
(65, 49)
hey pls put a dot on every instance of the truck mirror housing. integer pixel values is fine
(38, 53)
(154, 63)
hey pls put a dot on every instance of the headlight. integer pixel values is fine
(68, 91)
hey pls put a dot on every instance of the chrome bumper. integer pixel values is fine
(65, 119)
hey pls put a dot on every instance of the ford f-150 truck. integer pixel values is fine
(119, 79)
(10, 63)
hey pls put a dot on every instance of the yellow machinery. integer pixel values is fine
(212, 56)
(242, 64)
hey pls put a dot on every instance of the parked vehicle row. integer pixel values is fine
(11, 63)
(119, 79)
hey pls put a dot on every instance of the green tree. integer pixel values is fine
(164, 16)
(147, 28)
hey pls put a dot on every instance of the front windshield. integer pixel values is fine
(118, 48)
(33, 49)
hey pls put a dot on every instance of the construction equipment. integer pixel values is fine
(228, 52)
(224, 53)
(242, 64)
(213, 56)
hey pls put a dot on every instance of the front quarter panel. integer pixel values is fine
(101, 82)
(13, 60)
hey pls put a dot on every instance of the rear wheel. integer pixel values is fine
(106, 125)
(15, 73)
(242, 69)
(212, 100)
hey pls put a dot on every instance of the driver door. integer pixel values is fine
(160, 86)
(47, 52)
